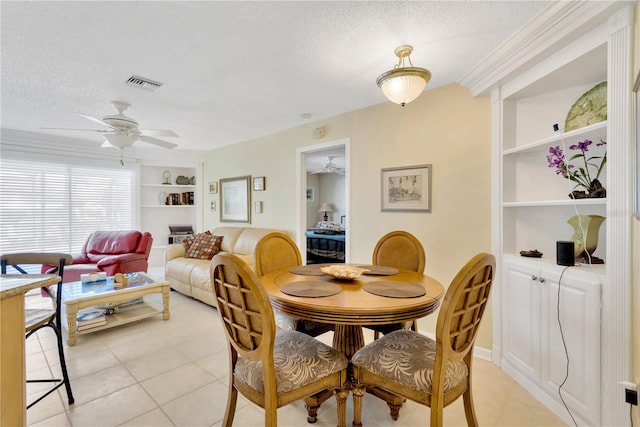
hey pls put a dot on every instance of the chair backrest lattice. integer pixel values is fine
(401, 250)
(276, 251)
(464, 305)
(243, 306)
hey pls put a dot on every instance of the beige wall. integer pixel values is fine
(445, 127)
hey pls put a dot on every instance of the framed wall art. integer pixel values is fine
(258, 183)
(213, 187)
(636, 147)
(406, 189)
(310, 194)
(235, 199)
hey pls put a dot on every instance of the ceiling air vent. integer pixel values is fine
(143, 82)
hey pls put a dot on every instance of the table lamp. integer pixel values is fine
(326, 207)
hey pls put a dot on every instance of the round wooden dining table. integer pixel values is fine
(353, 305)
(382, 296)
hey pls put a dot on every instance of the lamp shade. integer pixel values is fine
(118, 140)
(326, 207)
(403, 85)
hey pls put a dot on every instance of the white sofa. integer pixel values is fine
(191, 276)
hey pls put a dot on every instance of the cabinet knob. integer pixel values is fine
(534, 278)
(541, 279)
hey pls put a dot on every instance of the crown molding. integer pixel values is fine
(554, 27)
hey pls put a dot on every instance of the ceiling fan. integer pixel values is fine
(123, 131)
(330, 167)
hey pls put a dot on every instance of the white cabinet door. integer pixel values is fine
(521, 325)
(534, 346)
(578, 318)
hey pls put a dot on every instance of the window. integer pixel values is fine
(53, 207)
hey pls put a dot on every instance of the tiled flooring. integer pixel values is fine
(174, 373)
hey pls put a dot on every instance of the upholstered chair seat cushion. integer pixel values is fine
(407, 357)
(299, 360)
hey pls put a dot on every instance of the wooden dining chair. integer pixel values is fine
(269, 367)
(433, 373)
(277, 251)
(404, 251)
(39, 318)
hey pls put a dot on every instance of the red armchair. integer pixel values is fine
(111, 252)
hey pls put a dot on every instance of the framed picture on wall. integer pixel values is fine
(310, 194)
(235, 199)
(406, 189)
(213, 187)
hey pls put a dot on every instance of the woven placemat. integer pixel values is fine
(379, 270)
(391, 289)
(311, 289)
(308, 270)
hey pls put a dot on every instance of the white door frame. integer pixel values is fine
(301, 191)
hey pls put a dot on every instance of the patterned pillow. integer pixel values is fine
(187, 242)
(328, 225)
(204, 246)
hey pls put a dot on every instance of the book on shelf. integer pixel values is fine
(90, 317)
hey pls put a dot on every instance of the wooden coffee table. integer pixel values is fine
(76, 296)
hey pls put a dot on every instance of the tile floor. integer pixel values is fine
(174, 373)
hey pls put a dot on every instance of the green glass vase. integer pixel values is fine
(585, 237)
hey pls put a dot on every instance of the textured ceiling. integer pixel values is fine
(232, 71)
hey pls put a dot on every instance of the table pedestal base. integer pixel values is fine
(348, 339)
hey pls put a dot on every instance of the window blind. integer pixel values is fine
(53, 207)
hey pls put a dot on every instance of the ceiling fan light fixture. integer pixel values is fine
(119, 140)
(403, 84)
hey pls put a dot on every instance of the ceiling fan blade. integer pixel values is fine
(156, 141)
(158, 132)
(87, 130)
(95, 119)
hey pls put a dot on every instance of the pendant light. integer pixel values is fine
(403, 84)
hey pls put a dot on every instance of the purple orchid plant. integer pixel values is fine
(578, 174)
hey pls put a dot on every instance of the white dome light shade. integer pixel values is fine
(403, 84)
(118, 140)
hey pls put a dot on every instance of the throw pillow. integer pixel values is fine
(204, 246)
(328, 225)
(187, 242)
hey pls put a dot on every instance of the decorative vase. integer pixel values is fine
(595, 191)
(587, 242)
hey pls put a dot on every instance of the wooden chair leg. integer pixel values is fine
(312, 404)
(341, 399)
(469, 409)
(358, 395)
(376, 335)
(230, 412)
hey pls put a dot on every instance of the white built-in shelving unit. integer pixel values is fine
(156, 215)
(533, 80)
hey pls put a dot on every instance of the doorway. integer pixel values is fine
(323, 182)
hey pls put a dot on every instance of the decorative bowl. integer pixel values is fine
(343, 272)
